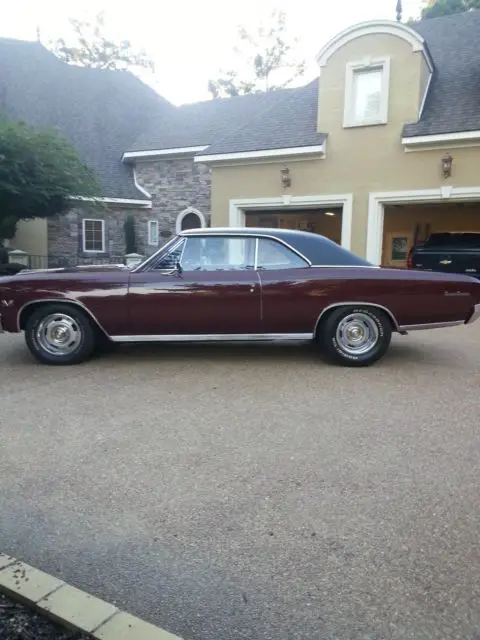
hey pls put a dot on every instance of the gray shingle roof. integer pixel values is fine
(453, 102)
(291, 121)
(202, 123)
(101, 112)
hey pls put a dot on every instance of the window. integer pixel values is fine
(170, 260)
(366, 93)
(190, 218)
(153, 232)
(218, 254)
(274, 255)
(94, 235)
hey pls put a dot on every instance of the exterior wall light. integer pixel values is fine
(447, 162)
(285, 177)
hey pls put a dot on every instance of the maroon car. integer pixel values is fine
(234, 285)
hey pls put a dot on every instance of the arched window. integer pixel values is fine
(190, 218)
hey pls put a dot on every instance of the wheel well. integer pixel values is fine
(327, 312)
(30, 309)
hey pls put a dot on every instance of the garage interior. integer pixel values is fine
(325, 221)
(404, 225)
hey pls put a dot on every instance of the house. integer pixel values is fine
(381, 149)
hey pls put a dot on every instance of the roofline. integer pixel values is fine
(459, 136)
(146, 204)
(263, 153)
(372, 27)
(154, 153)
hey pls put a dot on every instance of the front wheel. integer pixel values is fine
(355, 336)
(59, 334)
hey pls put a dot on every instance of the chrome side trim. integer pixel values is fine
(475, 315)
(346, 266)
(216, 337)
(61, 301)
(356, 303)
(431, 325)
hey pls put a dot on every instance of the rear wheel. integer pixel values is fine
(355, 336)
(59, 334)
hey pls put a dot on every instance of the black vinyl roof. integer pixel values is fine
(318, 249)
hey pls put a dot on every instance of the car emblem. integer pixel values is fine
(445, 262)
(6, 303)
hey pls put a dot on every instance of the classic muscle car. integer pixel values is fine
(235, 284)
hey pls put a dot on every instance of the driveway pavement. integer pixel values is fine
(255, 493)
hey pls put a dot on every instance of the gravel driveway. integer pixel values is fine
(255, 493)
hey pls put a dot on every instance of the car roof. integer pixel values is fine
(317, 249)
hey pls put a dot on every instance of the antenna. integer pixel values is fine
(398, 9)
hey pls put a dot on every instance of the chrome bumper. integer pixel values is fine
(475, 315)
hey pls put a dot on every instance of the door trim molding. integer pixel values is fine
(239, 206)
(219, 337)
(376, 210)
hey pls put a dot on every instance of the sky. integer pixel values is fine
(190, 40)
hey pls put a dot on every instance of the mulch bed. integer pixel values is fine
(20, 623)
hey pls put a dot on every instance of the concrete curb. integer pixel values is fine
(72, 607)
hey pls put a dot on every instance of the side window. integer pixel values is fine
(215, 253)
(171, 259)
(275, 255)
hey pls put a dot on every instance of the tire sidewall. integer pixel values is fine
(335, 350)
(83, 350)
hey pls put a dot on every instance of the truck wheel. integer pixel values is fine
(355, 336)
(59, 334)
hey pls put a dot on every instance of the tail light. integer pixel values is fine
(410, 258)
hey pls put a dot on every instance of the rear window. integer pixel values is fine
(453, 239)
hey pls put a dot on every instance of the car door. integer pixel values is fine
(292, 295)
(202, 286)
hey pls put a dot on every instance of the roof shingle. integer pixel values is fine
(100, 111)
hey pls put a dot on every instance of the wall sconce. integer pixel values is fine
(285, 177)
(447, 161)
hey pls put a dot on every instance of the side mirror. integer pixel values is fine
(179, 267)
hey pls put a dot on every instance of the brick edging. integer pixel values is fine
(72, 607)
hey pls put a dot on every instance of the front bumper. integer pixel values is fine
(475, 315)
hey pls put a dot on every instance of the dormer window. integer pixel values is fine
(366, 92)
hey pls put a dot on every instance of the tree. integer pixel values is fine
(437, 8)
(94, 49)
(267, 62)
(39, 171)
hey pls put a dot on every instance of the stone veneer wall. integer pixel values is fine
(65, 243)
(174, 186)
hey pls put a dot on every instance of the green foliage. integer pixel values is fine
(130, 236)
(94, 49)
(39, 170)
(267, 62)
(437, 8)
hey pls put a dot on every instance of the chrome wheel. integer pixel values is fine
(59, 334)
(357, 333)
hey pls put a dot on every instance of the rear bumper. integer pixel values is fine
(475, 315)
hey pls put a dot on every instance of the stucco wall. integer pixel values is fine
(359, 160)
(31, 237)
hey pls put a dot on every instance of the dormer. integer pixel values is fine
(373, 74)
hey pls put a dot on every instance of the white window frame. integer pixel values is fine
(84, 221)
(367, 64)
(184, 213)
(152, 223)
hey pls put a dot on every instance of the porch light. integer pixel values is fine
(447, 161)
(285, 177)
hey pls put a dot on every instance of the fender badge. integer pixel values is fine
(6, 303)
(456, 293)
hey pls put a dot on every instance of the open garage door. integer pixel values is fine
(404, 225)
(326, 222)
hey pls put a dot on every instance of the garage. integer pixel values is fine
(406, 224)
(324, 221)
